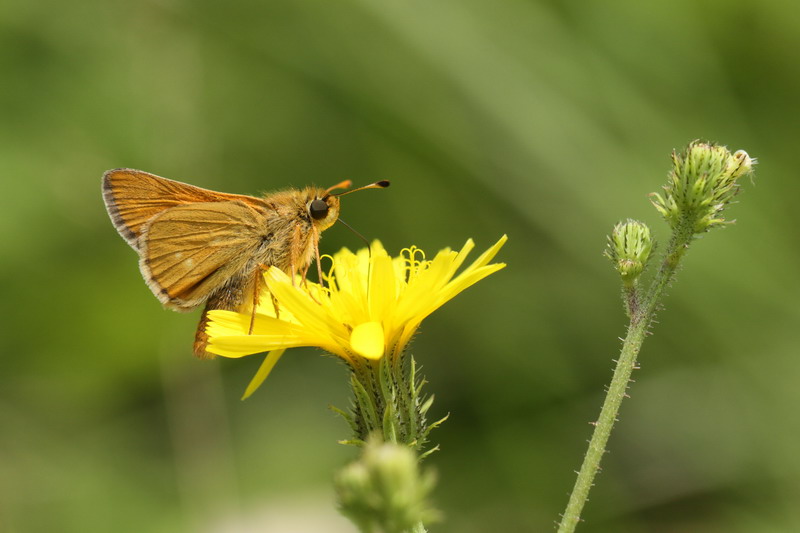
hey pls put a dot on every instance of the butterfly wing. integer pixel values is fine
(133, 197)
(189, 251)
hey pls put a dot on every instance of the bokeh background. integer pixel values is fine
(545, 120)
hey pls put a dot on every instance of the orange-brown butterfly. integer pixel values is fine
(198, 246)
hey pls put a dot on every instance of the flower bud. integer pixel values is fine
(384, 489)
(629, 247)
(703, 181)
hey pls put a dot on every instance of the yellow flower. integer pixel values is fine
(370, 309)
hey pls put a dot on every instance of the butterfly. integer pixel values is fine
(201, 247)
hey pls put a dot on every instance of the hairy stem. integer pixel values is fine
(641, 316)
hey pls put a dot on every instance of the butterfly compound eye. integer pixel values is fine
(318, 209)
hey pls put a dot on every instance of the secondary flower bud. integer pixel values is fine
(629, 247)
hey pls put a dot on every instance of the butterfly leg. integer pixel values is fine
(295, 252)
(304, 276)
(275, 306)
(319, 266)
(259, 277)
(263, 268)
(319, 260)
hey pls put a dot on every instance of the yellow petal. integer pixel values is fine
(381, 287)
(263, 371)
(228, 323)
(367, 340)
(312, 316)
(236, 346)
(461, 256)
(424, 285)
(489, 254)
(451, 290)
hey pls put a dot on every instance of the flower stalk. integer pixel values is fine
(702, 183)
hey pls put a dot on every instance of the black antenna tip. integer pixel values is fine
(383, 184)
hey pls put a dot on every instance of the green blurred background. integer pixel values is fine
(545, 120)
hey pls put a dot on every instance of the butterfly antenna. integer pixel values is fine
(377, 185)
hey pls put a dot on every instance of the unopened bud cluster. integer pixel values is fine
(384, 489)
(702, 182)
(629, 247)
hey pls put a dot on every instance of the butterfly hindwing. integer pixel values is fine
(188, 251)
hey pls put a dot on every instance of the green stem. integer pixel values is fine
(631, 296)
(640, 319)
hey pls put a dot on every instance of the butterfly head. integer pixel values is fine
(323, 206)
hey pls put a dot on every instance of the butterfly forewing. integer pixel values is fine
(190, 250)
(133, 198)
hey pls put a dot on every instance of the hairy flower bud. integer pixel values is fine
(629, 247)
(703, 181)
(384, 490)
